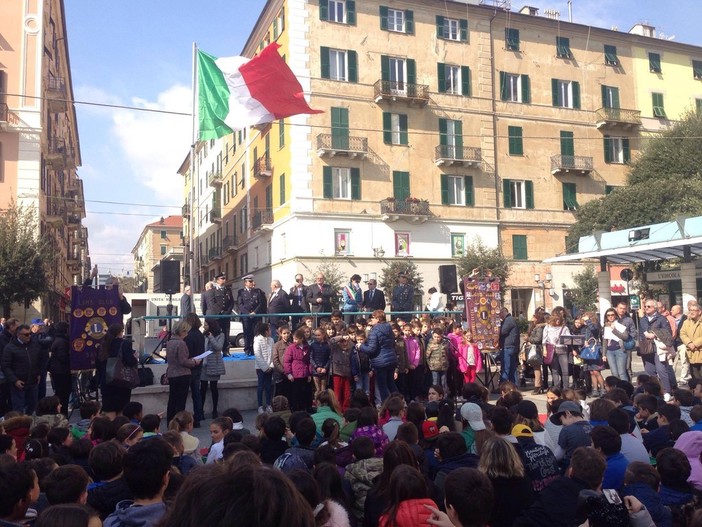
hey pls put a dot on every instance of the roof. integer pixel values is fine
(658, 241)
(169, 221)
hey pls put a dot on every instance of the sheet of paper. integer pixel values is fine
(202, 355)
(621, 328)
(609, 333)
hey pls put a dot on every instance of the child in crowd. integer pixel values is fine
(362, 472)
(364, 371)
(89, 410)
(437, 357)
(575, 433)
(402, 361)
(470, 360)
(281, 384)
(298, 370)
(344, 368)
(319, 359)
(183, 423)
(415, 360)
(263, 353)
(151, 423)
(133, 411)
(219, 428)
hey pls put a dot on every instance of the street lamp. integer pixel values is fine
(542, 284)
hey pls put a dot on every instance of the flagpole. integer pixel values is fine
(191, 224)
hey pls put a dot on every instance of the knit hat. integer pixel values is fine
(472, 413)
(522, 431)
(430, 430)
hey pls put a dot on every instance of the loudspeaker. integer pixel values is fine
(170, 276)
(447, 279)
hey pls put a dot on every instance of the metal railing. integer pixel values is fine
(214, 253)
(229, 243)
(262, 217)
(215, 179)
(564, 163)
(345, 144)
(262, 166)
(215, 215)
(471, 154)
(186, 211)
(415, 208)
(401, 90)
(618, 115)
(4, 112)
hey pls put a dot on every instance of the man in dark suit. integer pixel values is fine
(373, 298)
(278, 302)
(220, 301)
(298, 299)
(320, 296)
(252, 301)
(186, 302)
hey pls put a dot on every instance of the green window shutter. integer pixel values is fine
(404, 139)
(576, 95)
(383, 17)
(356, 183)
(324, 9)
(409, 22)
(385, 67)
(529, 192)
(697, 69)
(464, 30)
(555, 98)
(605, 98)
(654, 62)
(441, 75)
(281, 133)
(658, 108)
(512, 39)
(411, 71)
(351, 12)
(281, 184)
(352, 59)
(327, 188)
(470, 195)
(507, 193)
(400, 185)
(698, 106)
(607, 149)
(609, 189)
(444, 189)
(516, 146)
(519, 247)
(610, 53)
(569, 196)
(615, 98)
(324, 61)
(458, 139)
(440, 27)
(443, 131)
(526, 90)
(503, 86)
(340, 128)
(387, 128)
(465, 81)
(567, 144)
(626, 150)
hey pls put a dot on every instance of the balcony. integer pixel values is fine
(57, 155)
(457, 155)
(229, 244)
(216, 215)
(262, 167)
(568, 164)
(401, 91)
(215, 253)
(262, 219)
(4, 112)
(186, 211)
(215, 179)
(331, 145)
(56, 95)
(607, 118)
(411, 209)
(55, 213)
(73, 219)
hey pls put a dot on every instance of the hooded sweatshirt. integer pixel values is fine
(690, 443)
(361, 475)
(129, 515)
(104, 497)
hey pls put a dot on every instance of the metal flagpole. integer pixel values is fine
(191, 223)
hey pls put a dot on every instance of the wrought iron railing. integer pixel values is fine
(418, 207)
(583, 163)
(619, 115)
(350, 144)
(458, 153)
(404, 90)
(262, 217)
(262, 166)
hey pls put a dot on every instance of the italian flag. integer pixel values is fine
(237, 92)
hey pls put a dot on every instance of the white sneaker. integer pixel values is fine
(260, 409)
(269, 409)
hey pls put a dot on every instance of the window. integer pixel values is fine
(516, 144)
(658, 107)
(518, 194)
(616, 149)
(281, 133)
(567, 144)
(563, 48)
(164, 235)
(341, 11)
(454, 79)
(609, 189)
(610, 53)
(395, 129)
(341, 183)
(565, 94)
(400, 185)
(457, 190)
(281, 186)
(698, 106)
(398, 73)
(340, 128)
(570, 201)
(451, 138)
(697, 69)
(610, 97)
(244, 264)
(514, 88)
(654, 62)
(452, 28)
(244, 219)
(339, 64)
(163, 250)
(512, 39)
(396, 20)
(519, 247)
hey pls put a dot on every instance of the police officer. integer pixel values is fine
(220, 301)
(403, 297)
(252, 301)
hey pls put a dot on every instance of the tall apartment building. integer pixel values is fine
(444, 121)
(39, 146)
(158, 241)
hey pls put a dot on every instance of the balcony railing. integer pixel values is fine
(332, 145)
(4, 112)
(611, 117)
(215, 179)
(396, 90)
(262, 167)
(261, 218)
(410, 207)
(55, 212)
(216, 216)
(229, 243)
(464, 155)
(186, 211)
(73, 219)
(56, 95)
(564, 164)
(57, 154)
(215, 253)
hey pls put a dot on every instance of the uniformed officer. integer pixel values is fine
(252, 301)
(402, 297)
(220, 301)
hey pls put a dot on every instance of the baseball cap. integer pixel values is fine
(430, 430)
(522, 431)
(526, 409)
(37, 322)
(566, 406)
(472, 413)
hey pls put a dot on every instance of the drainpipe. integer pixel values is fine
(494, 133)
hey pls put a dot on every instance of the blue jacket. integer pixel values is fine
(614, 473)
(657, 322)
(652, 501)
(319, 355)
(380, 346)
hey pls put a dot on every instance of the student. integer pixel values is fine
(437, 358)
(66, 514)
(396, 407)
(183, 423)
(575, 433)
(183, 463)
(134, 411)
(273, 443)
(367, 425)
(416, 360)
(675, 491)
(540, 465)
(642, 481)
(660, 438)
(684, 400)
(344, 368)
(237, 420)
(298, 370)
(647, 415)
(469, 499)
(89, 410)
(632, 447)
(327, 408)
(66, 484)
(129, 434)
(362, 472)
(305, 433)
(451, 453)
(409, 502)
(606, 440)
(109, 487)
(320, 353)
(281, 382)
(19, 488)
(263, 353)
(219, 428)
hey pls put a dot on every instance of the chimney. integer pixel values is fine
(528, 10)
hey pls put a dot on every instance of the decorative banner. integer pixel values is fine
(92, 312)
(483, 302)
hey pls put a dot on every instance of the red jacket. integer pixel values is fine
(297, 361)
(411, 513)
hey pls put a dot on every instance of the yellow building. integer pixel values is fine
(39, 146)
(443, 122)
(158, 241)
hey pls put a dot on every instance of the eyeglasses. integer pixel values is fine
(649, 307)
(611, 314)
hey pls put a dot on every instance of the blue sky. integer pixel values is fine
(139, 53)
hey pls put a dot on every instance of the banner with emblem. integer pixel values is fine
(483, 302)
(92, 312)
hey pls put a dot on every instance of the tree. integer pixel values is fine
(389, 279)
(584, 294)
(480, 256)
(23, 258)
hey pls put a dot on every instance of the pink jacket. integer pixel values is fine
(297, 361)
(462, 354)
(690, 443)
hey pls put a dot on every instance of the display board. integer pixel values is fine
(483, 301)
(92, 312)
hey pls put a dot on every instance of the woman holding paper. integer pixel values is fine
(179, 369)
(213, 365)
(613, 352)
(555, 353)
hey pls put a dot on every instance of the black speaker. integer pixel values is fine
(447, 279)
(170, 276)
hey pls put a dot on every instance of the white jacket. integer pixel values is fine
(263, 352)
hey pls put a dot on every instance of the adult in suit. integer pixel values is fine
(203, 297)
(251, 301)
(402, 297)
(373, 298)
(186, 302)
(298, 299)
(320, 297)
(219, 300)
(278, 302)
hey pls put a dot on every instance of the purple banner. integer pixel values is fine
(92, 312)
(483, 302)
